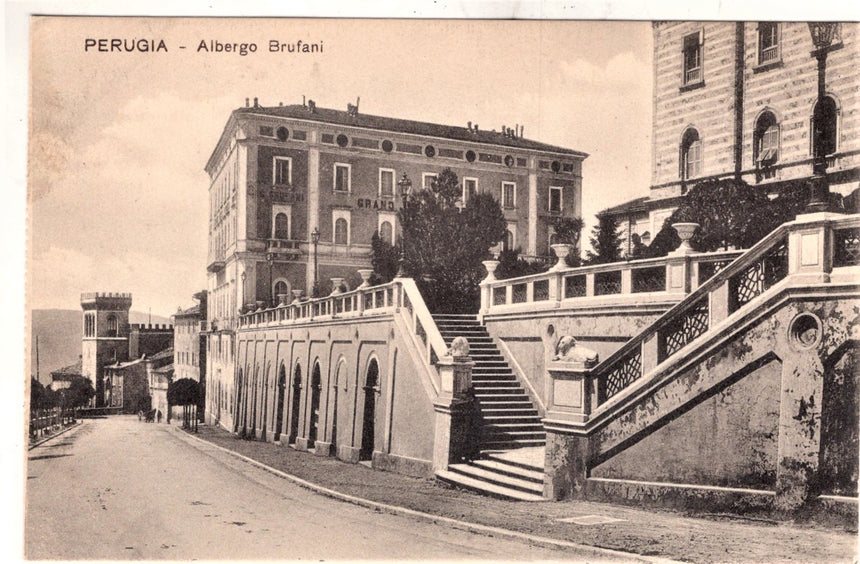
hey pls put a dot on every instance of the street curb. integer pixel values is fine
(55, 435)
(543, 542)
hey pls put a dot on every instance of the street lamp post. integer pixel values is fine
(405, 185)
(244, 276)
(270, 259)
(315, 239)
(819, 191)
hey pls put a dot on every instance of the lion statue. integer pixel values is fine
(567, 350)
(459, 347)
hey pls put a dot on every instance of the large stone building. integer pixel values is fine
(298, 191)
(736, 100)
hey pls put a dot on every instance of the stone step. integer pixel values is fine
(487, 391)
(507, 417)
(495, 435)
(477, 384)
(497, 457)
(515, 470)
(511, 444)
(503, 401)
(484, 487)
(487, 474)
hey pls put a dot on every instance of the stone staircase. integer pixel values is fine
(509, 420)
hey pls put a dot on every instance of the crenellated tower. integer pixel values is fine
(105, 335)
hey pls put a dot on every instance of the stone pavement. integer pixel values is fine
(650, 533)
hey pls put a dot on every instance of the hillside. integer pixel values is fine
(59, 332)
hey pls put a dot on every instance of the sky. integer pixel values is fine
(118, 141)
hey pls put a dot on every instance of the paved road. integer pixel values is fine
(119, 489)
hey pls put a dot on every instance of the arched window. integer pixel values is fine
(282, 226)
(824, 123)
(691, 155)
(341, 232)
(766, 145)
(112, 326)
(386, 232)
(281, 288)
(508, 241)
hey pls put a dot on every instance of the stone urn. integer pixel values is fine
(685, 231)
(561, 250)
(365, 274)
(335, 286)
(491, 266)
(282, 299)
(297, 294)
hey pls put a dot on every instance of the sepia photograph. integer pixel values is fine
(477, 287)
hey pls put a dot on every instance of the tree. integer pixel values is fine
(184, 392)
(80, 392)
(37, 393)
(385, 258)
(569, 230)
(444, 245)
(605, 241)
(511, 265)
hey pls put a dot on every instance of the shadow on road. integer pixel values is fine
(44, 456)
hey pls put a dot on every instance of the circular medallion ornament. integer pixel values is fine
(283, 133)
(387, 146)
(342, 140)
(509, 161)
(430, 151)
(805, 331)
(471, 156)
(556, 166)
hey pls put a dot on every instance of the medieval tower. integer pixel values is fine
(105, 335)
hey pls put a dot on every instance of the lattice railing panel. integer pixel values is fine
(407, 303)
(623, 373)
(574, 286)
(541, 290)
(607, 283)
(519, 293)
(846, 247)
(759, 276)
(649, 279)
(708, 269)
(686, 326)
(500, 295)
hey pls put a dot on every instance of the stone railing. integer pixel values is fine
(807, 250)
(677, 273)
(399, 298)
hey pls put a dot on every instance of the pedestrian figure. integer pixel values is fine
(139, 414)
(159, 416)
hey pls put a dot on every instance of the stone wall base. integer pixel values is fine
(403, 465)
(322, 449)
(301, 443)
(348, 453)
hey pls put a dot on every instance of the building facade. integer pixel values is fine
(189, 356)
(105, 336)
(298, 191)
(736, 100)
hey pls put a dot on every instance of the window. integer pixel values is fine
(112, 326)
(89, 325)
(283, 171)
(766, 143)
(281, 288)
(824, 123)
(691, 155)
(281, 219)
(693, 58)
(768, 42)
(340, 221)
(555, 199)
(386, 182)
(508, 241)
(386, 232)
(509, 195)
(427, 180)
(470, 188)
(341, 177)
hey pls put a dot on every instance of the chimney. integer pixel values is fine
(280, 104)
(522, 129)
(256, 105)
(247, 102)
(304, 103)
(476, 128)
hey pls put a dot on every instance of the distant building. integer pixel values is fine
(128, 384)
(279, 175)
(736, 100)
(109, 340)
(63, 378)
(189, 345)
